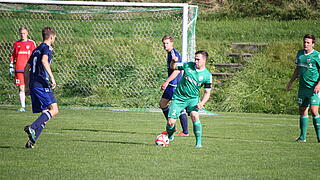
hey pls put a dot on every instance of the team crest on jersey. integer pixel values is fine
(27, 46)
(200, 78)
(308, 60)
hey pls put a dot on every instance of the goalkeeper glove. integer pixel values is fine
(11, 70)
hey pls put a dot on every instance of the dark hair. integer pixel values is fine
(22, 28)
(204, 53)
(310, 36)
(47, 32)
(167, 37)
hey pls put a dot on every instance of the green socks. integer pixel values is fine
(197, 129)
(303, 127)
(316, 124)
(170, 131)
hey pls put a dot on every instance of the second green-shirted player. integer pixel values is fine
(307, 69)
(309, 65)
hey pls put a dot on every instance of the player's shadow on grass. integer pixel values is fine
(5, 147)
(107, 131)
(114, 142)
(99, 130)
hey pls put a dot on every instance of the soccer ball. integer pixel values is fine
(162, 140)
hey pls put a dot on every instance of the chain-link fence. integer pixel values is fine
(104, 56)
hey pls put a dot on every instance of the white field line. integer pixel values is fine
(257, 124)
(266, 118)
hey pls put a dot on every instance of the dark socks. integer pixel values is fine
(184, 122)
(40, 123)
(165, 112)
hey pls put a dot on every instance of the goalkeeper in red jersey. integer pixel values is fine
(22, 49)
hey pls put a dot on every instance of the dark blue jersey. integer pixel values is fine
(171, 54)
(39, 77)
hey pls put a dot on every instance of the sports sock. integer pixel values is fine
(303, 127)
(184, 122)
(170, 130)
(40, 123)
(165, 112)
(197, 129)
(22, 98)
(316, 124)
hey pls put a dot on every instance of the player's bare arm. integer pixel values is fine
(317, 88)
(47, 67)
(170, 78)
(293, 78)
(173, 63)
(205, 98)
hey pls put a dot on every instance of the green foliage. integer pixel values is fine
(266, 9)
(260, 87)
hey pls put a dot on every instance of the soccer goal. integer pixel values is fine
(107, 54)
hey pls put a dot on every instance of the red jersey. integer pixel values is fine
(22, 50)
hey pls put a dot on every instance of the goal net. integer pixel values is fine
(106, 54)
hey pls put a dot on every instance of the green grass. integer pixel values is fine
(98, 144)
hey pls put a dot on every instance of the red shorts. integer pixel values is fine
(19, 78)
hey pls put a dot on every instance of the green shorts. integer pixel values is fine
(178, 105)
(307, 97)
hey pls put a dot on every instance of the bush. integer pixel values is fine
(260, 87)
(264, 9)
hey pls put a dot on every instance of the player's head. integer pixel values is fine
(23, 33)
(167, 43)
(308, 42)
(201, 59)
(48, 34)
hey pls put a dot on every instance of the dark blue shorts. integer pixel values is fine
(41, 99)
(168, 92)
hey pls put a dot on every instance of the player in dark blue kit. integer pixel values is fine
(41, 81)
(171, 83)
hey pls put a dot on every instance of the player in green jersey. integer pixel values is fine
(186, 95)
(307, 69)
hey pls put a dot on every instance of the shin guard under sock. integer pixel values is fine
(316, 124)
(303, 127)
(197, 129)
(40, 123)
(170, 130)
(165, 112)
(184, 122)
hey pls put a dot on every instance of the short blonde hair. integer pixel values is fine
(22, 28)
(167, 37)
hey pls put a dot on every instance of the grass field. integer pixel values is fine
(99, 144)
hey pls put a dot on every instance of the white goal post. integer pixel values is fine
(96, 42)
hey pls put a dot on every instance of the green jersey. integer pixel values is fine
(309, 65)
(191, 82)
